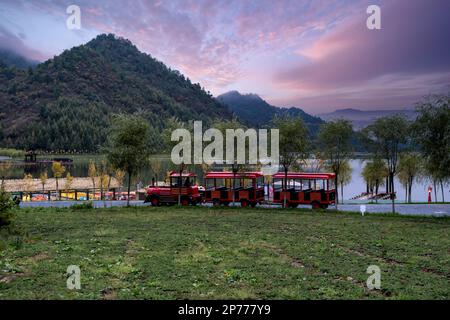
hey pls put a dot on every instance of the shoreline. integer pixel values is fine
(438, 210)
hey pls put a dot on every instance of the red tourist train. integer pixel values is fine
(227, 187)
(247, 188)
(316, 189)
(182, 188)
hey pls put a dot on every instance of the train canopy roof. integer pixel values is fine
(305, 176)
(231, 175)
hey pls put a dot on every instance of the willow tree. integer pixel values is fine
(336, 147)
(345, 177)
(410, 167)
(128, 148)
(293, 145)
(385, 138)
(431, 132)
(374, 174)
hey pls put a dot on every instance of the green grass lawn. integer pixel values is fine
(225, 253)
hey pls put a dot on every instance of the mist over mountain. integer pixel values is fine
(67, 102)
(12, 59)
(363, 118)
(256, 112)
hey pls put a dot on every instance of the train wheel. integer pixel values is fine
(324, 206)
(185, 202)
(155, 202)
(292, 205)
(253, 204)
(315, 205)
(244, 203)
(216, 202)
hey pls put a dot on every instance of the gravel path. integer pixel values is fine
(407, 209)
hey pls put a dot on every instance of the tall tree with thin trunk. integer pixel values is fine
(294, 146)
(92, 173)
(119, 175)
(128, 148)
(385, 138)
(68, 184)
(374, 173)
(29, 184)
(43, 177)
(410, 167)
(336, 147)
(58, 170)
(345, 177)
(431, 132)
(156, 167)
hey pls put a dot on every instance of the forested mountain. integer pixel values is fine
(67, 102)
(253, 110)
(11, 59)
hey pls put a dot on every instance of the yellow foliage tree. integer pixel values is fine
(68, 184)
(28, 183)
(58, 170)
(120, 176)
(92, 172)
(43, 177)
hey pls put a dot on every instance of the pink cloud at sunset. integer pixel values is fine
(314, 54)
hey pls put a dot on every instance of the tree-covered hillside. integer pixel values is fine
(256, 112)
(67, 102)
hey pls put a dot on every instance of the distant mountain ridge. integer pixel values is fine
(256, 112)
(363, 118)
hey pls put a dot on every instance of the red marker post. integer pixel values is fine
(430, 189)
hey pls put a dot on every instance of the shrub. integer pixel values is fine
(6, 204)
(83, 206)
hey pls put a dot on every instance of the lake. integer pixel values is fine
(79, 168)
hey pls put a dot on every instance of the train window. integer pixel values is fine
(260, 182)
(277, 184)
(184, 181)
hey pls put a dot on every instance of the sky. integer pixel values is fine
(318, 55)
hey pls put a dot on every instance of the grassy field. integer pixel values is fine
(226, 253)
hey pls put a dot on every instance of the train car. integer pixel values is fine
(222, 188)
(315, 189)
(182, 188)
